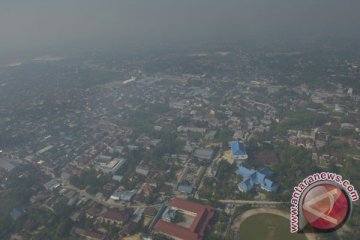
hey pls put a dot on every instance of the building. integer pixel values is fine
(191, 129)
(185, 189)
(124, 195)
(117, 178)
(115, 217)
(113, 165)
(51, 185)
(204, 154)
(6, 165)
(195, 230)
(253, 177)
(147, 189)
(211, 135)
(94, 211)
(238, 151)
(142, 170)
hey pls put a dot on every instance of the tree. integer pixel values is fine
(63, 227)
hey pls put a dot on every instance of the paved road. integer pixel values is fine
(253, 202)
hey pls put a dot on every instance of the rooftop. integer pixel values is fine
(253, 177)
(202, 216)
(204, 153)
(237, 148)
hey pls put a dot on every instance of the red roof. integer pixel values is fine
(116, 215)
(187, 205)
(94, 211)
(196, 231)
(175, 230)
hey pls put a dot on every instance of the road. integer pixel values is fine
(252, 202)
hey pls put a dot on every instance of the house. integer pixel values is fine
(185, 189)
(94, 211)
(51, 185)
(113, 165)
(253, 177)
(204, 154)
(115, 217)
(6, 165)
(211, 135)
(147, 189)
(138, 214)
(124, 195)
(117, 178)
(191, 129)
(142, 170)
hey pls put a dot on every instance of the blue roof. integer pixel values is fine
(237, 148)
(245, 172)
(252, 177)
(270, 186)
(260, 177)
(266, 171)
(268, 183)
(246, 186)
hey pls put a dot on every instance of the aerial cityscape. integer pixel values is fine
(203, 141)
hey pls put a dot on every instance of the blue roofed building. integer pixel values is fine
(238, 151)
(253, 177)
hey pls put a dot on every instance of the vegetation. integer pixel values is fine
(294, 165)
(267, 226)
(92, 180)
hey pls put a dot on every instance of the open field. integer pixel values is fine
(267, 227)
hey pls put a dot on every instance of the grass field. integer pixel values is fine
(267, 227)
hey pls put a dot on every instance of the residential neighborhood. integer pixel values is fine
(150, 152)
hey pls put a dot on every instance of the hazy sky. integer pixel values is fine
(33, 24)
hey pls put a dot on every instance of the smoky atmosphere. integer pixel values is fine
(37, 25)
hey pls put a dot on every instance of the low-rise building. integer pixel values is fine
(124, 195)
(113, 165)
(115, 217)
(142, 170)
(253, 177)
(52, 185)
(238, 151)
(204, 154)
(194, 230)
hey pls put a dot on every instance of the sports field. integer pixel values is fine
(267, 227)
